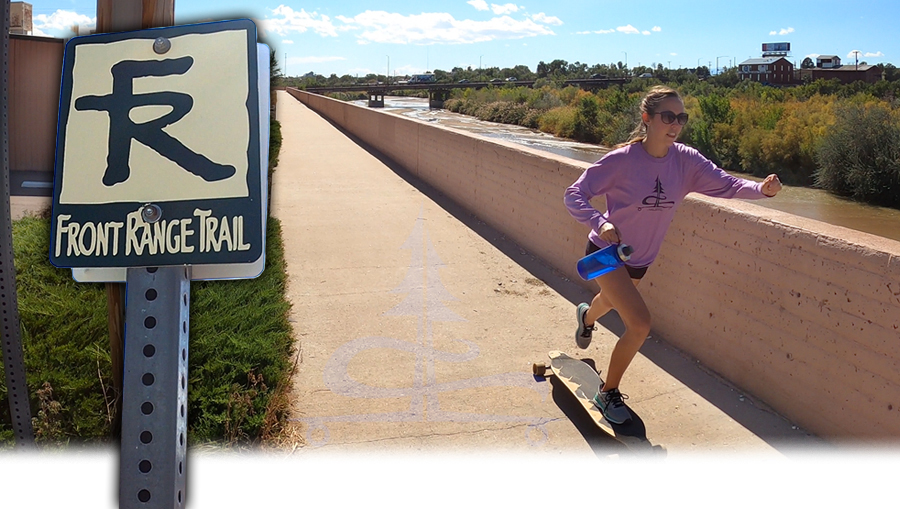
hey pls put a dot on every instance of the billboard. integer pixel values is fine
(779, 47)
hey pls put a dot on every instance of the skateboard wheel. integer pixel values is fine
(539, 368)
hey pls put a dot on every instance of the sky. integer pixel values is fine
(359, 37)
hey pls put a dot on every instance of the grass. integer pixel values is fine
(241, 349)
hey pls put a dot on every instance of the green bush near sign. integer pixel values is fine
(240, 350)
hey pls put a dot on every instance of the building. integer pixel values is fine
(844, 73)
(20, 22)
(828, 61)
(769, 70)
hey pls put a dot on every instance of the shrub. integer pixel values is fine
(860, 156)
(559, 121)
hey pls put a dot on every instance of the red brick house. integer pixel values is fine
(774, 70)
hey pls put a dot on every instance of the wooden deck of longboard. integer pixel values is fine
(583, 382)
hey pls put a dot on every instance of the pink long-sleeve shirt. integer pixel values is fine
(643, 192)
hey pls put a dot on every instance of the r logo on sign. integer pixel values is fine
(122, 129)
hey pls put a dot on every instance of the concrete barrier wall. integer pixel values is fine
(802, 315)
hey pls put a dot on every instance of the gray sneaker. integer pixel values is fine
(585, 332)
(612, 406)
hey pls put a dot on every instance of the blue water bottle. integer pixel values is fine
(600, 262)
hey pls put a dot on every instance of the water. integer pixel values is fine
(802, 201)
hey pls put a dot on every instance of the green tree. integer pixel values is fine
(807, 63)
(585, 128)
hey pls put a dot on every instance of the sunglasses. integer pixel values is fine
(668, 117)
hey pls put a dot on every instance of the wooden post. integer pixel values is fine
(124, 16)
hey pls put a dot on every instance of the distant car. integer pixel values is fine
(646, 75)
(463, 80)
(496, 80)
(598, 76)
(511, 78)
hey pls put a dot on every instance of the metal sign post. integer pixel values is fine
(154, 407)
(13, 362)
(160, 174)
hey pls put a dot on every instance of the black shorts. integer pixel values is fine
(634, 272)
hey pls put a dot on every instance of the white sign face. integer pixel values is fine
(166, 120)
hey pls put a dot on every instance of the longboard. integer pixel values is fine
(583, 382)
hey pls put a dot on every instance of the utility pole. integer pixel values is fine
(717, 63)
(123, 16)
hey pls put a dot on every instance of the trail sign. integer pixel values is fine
(158, 158)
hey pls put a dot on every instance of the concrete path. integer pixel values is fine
(418, 325)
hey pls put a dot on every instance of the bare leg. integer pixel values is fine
(601, 305)
(620, 293)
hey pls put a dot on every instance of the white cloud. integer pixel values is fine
(430, 28)
(783, 31)
(656, 29)
(288, 20)
(853, 53)
(314, 60)
(505, 8)
(628, 29)
(543, 18)
(61, 21)
(584, 33)
(481, 5)
(610, 31)
(287, 41)
(646, 32)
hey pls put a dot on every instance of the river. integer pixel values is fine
(802, 201)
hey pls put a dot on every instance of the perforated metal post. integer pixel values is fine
(154, 408)
(14, 367)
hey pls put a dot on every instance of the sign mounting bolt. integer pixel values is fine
(151, 213)
(161, 45)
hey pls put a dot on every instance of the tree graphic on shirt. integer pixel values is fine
(657, 200)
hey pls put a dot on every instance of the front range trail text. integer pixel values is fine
(202, 231)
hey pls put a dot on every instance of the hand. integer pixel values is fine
(771, 185)
(609, 233)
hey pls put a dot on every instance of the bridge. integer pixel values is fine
(440, 92)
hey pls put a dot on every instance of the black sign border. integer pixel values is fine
(250, 208)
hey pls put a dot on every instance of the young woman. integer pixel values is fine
(644, 180)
